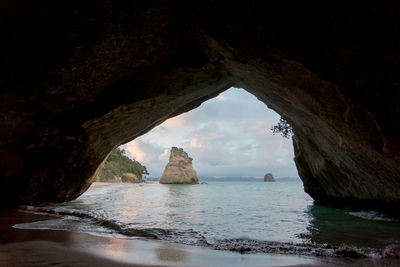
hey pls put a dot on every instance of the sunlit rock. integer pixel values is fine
(179, 169)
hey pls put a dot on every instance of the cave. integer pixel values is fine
(79, 79)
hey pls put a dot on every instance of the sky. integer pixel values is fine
(227, 136)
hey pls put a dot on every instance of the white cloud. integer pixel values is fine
(221, 97)
(163, 156)
(195, 142)
(137, 151)
(259, 127)
(175, 122)
(226, 136)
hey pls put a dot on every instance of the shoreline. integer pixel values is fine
(21, 247)
(27, 245)
(98, 184)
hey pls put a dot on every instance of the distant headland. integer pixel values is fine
(234, 179)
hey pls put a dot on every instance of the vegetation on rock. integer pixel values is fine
(119, 167)
(283, 128)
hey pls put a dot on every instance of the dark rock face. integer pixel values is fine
(269, 178)
(78, 79)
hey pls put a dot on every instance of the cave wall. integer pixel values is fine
(80, 78)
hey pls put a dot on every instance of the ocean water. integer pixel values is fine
(245, 217)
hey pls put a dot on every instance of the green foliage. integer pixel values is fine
(129, 178)
(119, 165)
(283, 128)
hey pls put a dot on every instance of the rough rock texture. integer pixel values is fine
(269, 178)
(78, 79)
(179, 169)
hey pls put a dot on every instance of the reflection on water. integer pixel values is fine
(116, 248)
(171, 254)
(179, 191)
(215, 213)
(339, 226)
(181, 203)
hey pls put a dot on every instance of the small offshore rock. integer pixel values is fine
(269, 178)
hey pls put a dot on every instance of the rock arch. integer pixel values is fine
(80, 79)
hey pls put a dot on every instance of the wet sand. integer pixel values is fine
(43, 247)
(48, 247)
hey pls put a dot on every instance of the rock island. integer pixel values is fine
(269, 178)
(179, 169)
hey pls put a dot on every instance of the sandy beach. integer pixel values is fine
(47, 247)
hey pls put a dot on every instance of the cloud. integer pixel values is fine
(154, 157)
(164, 155)
(259, 127)
(179, 121)
(137, 150)
(226, 136)
(221, 97)
(195, 142)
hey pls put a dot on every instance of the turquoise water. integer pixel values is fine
(247, 217)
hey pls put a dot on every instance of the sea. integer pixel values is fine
(245, 217)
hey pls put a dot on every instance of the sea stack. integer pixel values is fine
(179, 169)
(269, 178)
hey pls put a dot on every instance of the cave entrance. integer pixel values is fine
(227, 136)
(230, 140)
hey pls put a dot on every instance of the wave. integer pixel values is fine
(245, 246)
(191, 237)
(113, 225)
(373, 216)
